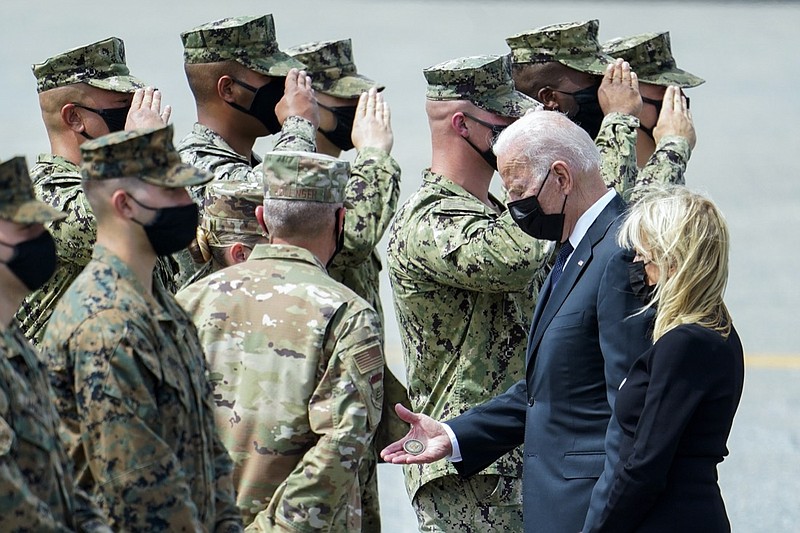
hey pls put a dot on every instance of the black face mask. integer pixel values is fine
(172, 229)
(589, 115)
(33, 261)
(638, 279)
(264, 102)
(339, 236)
(341, 135)
(528, 215)
(488, 155)
(114, 117)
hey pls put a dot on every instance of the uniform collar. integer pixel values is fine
(285, 251)
(123, 271)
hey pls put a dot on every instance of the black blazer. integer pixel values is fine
(676, 409)
(583, 340)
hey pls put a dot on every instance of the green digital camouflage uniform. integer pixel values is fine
(251, 42)
(462, 276)
(37, 492)
(374, 184)
(575, 45)
(129, 374)
(57, 181)
(465, 280)
(297, 365)
(650, 56)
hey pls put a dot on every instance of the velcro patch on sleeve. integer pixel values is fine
(369, 359)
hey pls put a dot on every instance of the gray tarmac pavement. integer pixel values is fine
(746, 157)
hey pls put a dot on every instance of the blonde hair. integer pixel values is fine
(686, 237)
(211, 245)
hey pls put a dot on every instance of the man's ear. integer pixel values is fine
(563, 175)
(121, 204)
(260, 218)
(548, 98)
(225, 88)
(71, 117)
(458, 123)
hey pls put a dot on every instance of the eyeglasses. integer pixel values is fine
(658, 103)
(496, 129)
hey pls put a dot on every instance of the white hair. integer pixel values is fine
(542, 137)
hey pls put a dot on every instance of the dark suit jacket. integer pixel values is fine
(583, 340)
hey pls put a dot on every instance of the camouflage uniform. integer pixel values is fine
(374, 184)
(297, 366)
(372, 193)
(575, 45)
(37, 492)
(57, 181)
(650, 56)
(251, 42)
(129, 375)
(229, 209)
(463, 278)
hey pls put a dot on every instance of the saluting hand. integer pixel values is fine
(619, 90)
(298, 99)
(675, 117)
(146, 110)
(372, 126)
(424, 429)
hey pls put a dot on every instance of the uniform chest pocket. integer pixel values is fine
(31, 429)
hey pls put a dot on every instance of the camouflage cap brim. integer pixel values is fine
(590, 65)
(506, 103)
(278, 64)
(348, 86)
(118, 84)
(181, 175)
(673, 76)
(31, 212)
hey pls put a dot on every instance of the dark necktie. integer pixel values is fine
(561, 260)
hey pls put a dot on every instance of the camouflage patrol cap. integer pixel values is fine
(230, 206)
(250, 41)
(332, 70)
(147, 154)
(650, 56)
(483, 80)
(17, 202)
(305, 176)
(100, 64)
(573, 44)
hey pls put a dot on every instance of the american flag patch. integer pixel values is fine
(369, 359)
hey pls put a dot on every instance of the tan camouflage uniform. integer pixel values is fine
(297, 365)
(57, 181)
(129, 374)
(575, 45)
(650, 56)
(37, 491)
(372, 193)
